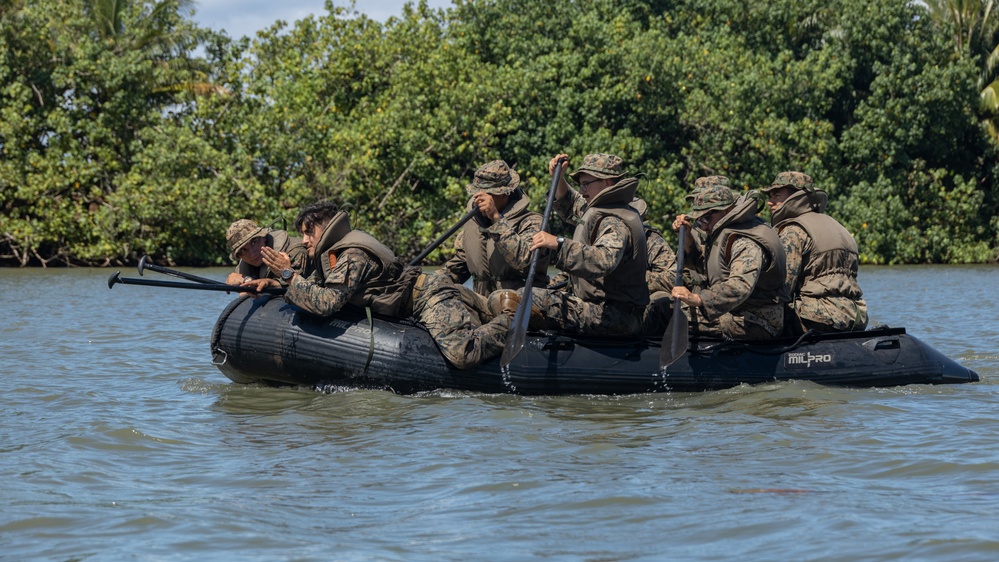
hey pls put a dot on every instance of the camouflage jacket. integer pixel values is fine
(662, 262)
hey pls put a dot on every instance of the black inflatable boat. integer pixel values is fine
(266, 340)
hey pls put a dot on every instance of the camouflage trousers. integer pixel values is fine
(755, 323)
(830, 314)
(568, 313)
(463, 336)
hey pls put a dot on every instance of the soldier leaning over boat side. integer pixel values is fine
(744, 265)
(606, 259)
(246, 240)
(822, 259)
(352, 267)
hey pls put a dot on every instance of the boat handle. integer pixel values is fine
(218, 352)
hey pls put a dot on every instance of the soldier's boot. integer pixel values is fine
(506, 302)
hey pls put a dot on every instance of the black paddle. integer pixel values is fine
(433, 245)
(517, 335)
(116, 278)
(143, 266)
(676, 340)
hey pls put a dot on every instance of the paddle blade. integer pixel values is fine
(676, 340)
(517, 336)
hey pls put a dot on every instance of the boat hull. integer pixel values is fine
(266, 340)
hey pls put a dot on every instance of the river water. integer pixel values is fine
(120, 441)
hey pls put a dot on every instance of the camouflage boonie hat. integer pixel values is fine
(710, 198)
(240, 233)
(494, 178)
(796, 180)
(706, 181)
(603, 166)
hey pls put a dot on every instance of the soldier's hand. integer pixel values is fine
(554, 162)
(234, 278)
(544, 240)
(486, 206)
(681, 220)
(256, 286)
(684, 294)
(274, 259)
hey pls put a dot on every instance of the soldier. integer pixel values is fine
(351, 266)
(606, 259)
(246, 240)
(822, 259)
(743, 263)
(495, 250)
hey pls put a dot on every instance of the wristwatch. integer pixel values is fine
(560, 240)
(287, 274)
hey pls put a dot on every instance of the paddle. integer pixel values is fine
(143, 266)
(117, 279)
(433, 245)
(676, 340)
(517, 335)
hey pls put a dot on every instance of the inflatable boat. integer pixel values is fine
(265, 340)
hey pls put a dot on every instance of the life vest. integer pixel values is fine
(831, 269)
(625, 286)
(742, 221)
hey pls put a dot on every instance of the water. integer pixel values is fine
(120, 441)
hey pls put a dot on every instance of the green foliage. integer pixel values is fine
(116, 141)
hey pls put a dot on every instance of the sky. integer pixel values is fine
(246, 17)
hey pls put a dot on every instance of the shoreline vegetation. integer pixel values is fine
(127, 130)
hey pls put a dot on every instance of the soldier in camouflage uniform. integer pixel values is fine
(606, 259)
(352, 267)
(743, 263)
(494, 249)
(246, 240)
(822, 259)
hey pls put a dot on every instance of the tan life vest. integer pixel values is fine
(742, 221)
(625, 286)
(831, 269)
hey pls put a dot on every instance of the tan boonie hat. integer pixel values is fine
(796, 180)
(494, 178)
(711, 198)
(603, 166)
(703, 182)
(240, 233)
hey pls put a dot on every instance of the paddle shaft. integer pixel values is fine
(440, 240)
(517, 335)
(676, 340)
(159, 269)
(117, 279)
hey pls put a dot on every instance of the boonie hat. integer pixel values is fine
(706, 181)
(240, 233)
(711, 198)
(494, 178)
(796, 180)
(603, 166)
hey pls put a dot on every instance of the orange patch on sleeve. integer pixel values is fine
(332, 261)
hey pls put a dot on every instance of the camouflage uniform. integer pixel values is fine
(606, 260)
(352, 267)
(822, 261)
(241, 232)
(744, 267)
(497, 255)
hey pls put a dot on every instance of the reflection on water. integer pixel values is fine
(120, 440)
